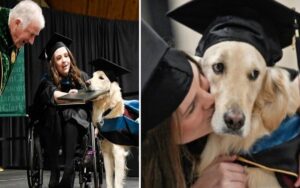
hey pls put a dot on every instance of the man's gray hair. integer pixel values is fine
(27, 11)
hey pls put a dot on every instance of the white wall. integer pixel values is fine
(187, 39)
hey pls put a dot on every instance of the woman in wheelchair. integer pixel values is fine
(63, 77)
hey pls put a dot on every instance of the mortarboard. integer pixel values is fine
(166, 78)
(112, 70)
(265, 24)
(56, 41)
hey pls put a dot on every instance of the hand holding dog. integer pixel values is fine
(297, 183)
(223, 173)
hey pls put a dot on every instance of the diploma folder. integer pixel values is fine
(81, 97)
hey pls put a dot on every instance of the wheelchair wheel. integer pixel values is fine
(34, 160)
(97, 170)
(90, 166)
(84, 174)
(99, 162)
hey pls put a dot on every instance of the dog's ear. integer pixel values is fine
(272, 101)
(294, 90)
(116, 102)
(115, 94)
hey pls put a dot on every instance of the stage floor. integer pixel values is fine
(18, 179)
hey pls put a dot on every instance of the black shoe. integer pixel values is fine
(54, 178)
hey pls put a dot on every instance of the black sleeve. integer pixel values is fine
(45, 92)
(48, 92)
(43, 98)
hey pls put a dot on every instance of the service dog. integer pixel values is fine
(114, 156)
(251, 100)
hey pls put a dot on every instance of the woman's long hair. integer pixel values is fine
(162, 155)
(74, 72)
(161, 159)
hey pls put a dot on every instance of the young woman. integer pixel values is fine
(64, 77)
(176, 113)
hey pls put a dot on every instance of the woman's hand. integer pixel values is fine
(58, 94)
(223, 173)
(73, 91)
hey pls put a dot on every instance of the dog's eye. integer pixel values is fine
(218, 68)
(253, 75)
(101, 77)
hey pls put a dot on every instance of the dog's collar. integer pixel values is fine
(100, 124)
(106, 112)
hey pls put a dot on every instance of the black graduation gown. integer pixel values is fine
(46, 110)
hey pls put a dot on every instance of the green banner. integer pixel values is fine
(12, 101)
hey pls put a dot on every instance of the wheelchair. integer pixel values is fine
(88, 163)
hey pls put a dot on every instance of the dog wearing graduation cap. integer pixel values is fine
(108, 110)
(255, 103)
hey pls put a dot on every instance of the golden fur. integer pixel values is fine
(264, 102)
(114, 155)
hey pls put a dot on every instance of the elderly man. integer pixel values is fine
(18, 26)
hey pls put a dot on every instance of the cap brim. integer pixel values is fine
(107, 65)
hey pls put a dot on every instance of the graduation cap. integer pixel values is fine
(112, 70)
(265, 24)
(56, 41)
(166, 78)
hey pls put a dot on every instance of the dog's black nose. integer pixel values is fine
(234, 119)
(88, 83)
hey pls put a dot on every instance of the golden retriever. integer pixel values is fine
(250, 101)
(114, 155)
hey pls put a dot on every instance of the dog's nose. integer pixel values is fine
(234, 119)
(88, 83)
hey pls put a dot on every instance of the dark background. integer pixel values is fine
(116, 40)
